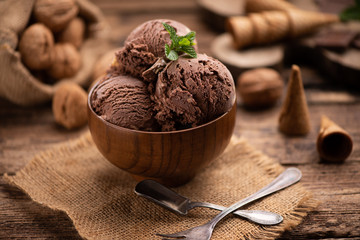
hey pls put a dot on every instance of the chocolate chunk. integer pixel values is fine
(337, 40)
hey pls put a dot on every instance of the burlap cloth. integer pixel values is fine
(99, 198)
(17, 83)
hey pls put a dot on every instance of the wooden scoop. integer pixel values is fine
(334, 144)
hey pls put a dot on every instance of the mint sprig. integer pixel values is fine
(351, 13)
(179, 44)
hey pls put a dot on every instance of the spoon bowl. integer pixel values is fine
(173, 201)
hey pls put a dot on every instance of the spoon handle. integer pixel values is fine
(285, 179)
(256, 216)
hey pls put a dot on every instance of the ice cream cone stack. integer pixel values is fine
(266, 5)
(278, 25)
(334, 144)
(294, 117)
(305, 22)
(261, 28)
(242, 30)
(275, 20)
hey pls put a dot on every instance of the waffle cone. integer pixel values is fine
(305, 22)
(266, 5)
(294, 116)
(333, 144)
(242, 31)
(278, 25)
(261, 28)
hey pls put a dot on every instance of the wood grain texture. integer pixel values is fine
(25, 132)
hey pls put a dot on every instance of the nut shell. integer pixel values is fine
(261, 87)
(37, 47)
(70, 105)
(73, 32)
(55, 14)
(67, 61)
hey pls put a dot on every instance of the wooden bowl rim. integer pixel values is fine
(109, 124)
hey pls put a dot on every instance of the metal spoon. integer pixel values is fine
(167, 198)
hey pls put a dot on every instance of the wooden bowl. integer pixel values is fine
(171, 158)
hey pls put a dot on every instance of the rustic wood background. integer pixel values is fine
(26, 131)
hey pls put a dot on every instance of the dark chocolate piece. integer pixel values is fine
(337, 40)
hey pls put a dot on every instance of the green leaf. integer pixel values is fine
(189, 50)
(184, 42)
(172, 55)
(167, 49)
(190, 36)
(179, 44)
(170, 30)
(351, 13)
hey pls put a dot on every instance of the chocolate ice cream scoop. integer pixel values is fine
(124, 101)
(145, 45)
(192, 91)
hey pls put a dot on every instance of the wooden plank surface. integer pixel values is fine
(27, 131)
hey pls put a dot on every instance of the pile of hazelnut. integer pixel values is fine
(49, 47)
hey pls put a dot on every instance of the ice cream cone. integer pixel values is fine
(294, 117)
(261, 28)
(266, 5)
(278, 25)
(305, 22)
(334, 144)
(241, 29)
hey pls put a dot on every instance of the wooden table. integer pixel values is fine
(26, 131)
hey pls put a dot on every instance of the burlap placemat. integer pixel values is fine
(99, 198)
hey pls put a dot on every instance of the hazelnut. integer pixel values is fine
(261, 87)
(55, 14)
(37, 47)
(66, 62)
(69, 105)
(73, 32)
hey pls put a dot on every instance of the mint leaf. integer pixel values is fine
(167, 49)
(184, 42)
(351, 13)
(170, 30)
(189, 50)
(190, 36)
(179, 44)
(172, 55)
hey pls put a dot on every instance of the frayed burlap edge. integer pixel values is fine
(292, 219)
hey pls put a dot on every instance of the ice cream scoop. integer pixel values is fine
(192, 91)
(124, 101)
(145, 44)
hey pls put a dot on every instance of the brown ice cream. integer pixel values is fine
(145, 45)
(192, 91)
(185, 93)
(124, 101)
